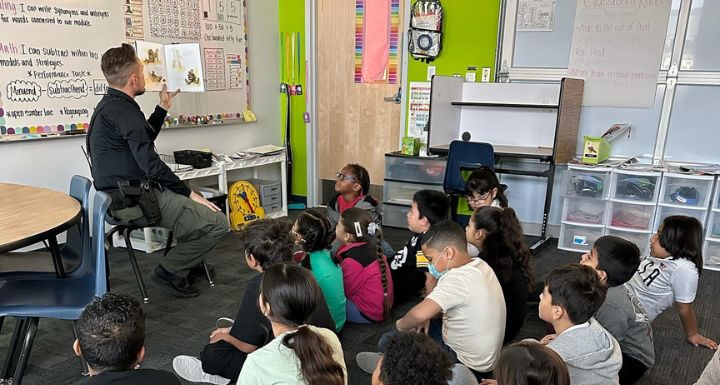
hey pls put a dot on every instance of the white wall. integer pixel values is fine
(51, 163)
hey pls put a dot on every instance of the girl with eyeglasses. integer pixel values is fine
(483, 189)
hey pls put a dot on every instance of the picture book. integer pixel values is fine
(177, 65)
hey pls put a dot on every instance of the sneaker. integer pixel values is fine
(198, 272)
(180, 286)
(190, 368)
(367, 361)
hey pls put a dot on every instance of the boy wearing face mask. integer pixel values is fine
(467, 295)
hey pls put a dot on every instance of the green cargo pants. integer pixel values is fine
(196, 228)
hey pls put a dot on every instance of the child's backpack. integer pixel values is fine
(425, 33)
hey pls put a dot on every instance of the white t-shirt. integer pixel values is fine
(661, 281)
(473, 313)
(277, 364)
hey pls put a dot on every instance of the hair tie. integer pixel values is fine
(302, 326)
(372, 228)
(358, 229)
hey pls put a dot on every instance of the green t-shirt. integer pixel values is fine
(330, 277)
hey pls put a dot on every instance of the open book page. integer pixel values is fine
(152, 56)
(184, 68)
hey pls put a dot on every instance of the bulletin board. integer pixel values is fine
(50, 76)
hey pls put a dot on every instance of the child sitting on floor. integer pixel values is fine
(572, 294)
(313, 233)
(529, 363)
(366, 274)
(409, 265)
(483, 189)
(266, 243)
(616, 260)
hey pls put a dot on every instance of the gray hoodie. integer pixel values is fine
(592, 355)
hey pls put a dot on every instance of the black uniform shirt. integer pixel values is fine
(122, 145)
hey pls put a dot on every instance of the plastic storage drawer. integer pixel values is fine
(402, 192)
(641, 240)
(265, 187)
(631, 216)
(271, 200)
(666, 211)
(636, 186)
(712, 255)
(578, 238)
(395, 215)
(713, 226)
(584, 211)
(587, 183)
(413, 169)
(686, 190)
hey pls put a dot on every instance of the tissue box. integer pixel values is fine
(595, 149)
(410, 146)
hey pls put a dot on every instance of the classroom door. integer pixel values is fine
(355, 123)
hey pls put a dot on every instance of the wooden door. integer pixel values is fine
(355, 124)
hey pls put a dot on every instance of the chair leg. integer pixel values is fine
(207, 273)
(12, 348)
(83, 362)
(2, 320)
(25, 351)
(136, 268)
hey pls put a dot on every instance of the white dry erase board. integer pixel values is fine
(50, 76)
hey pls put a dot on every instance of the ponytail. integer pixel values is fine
(513, 234)
(317, 364)
(382, 262)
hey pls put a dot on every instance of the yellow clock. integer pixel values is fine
(244, 204)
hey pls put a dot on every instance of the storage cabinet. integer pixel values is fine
(682, 194)
(711, 251)
(404, 176)
(586, 190)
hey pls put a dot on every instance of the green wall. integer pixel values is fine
(470, 39)
(292, 19)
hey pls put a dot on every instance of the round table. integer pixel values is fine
(33, 214)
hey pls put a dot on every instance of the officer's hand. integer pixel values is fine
(166, 97)
(201, 199)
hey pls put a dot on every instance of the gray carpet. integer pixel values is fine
(182, 326)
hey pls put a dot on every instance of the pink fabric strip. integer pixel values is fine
(376, 47)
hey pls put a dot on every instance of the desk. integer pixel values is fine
(542, 154)
(33, 214)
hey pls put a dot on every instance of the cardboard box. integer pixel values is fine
(595, 149)
(410, 146)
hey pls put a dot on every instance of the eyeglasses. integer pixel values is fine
(341, 176)
(295, 234)
(472, 199)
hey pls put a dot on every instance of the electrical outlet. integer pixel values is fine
(485, 75)
(430, 73)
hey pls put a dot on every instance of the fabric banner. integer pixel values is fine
(377, 24)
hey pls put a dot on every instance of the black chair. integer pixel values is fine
(125, 230)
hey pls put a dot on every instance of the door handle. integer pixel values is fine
(397, 98)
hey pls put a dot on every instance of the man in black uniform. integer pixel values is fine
(122, 152)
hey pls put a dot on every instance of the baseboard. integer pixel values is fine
(536, 228)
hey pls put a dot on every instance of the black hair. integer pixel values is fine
(443, 234)
(531, 363)
(432, 205)
(317, 233)
(414, 359)
(618, 258)
(292, 293)
(361, 176)
(118, 64)
(111, 332)
(504, 244)
(577, 289)
(362, 218)
(268, 241)
(681, 236)
(482, 180)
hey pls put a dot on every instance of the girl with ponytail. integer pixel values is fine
(498, 236)
(313, 233)
(366, 273)
(300, 353)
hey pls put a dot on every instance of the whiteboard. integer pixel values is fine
(555, 45)
(701, 40)
(50, 76)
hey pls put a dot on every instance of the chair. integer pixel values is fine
(125, 230)
(28, 300)
(462, 158)
(37, 264)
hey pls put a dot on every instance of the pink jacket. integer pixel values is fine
(362, 278)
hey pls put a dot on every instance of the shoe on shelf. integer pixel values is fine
(181, 288)
(198, 272)
(190, 368)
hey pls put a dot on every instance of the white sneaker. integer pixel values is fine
(190, 368)
(367, 361)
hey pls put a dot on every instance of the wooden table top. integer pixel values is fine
(30, 214)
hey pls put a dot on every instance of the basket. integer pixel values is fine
(197, 159)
